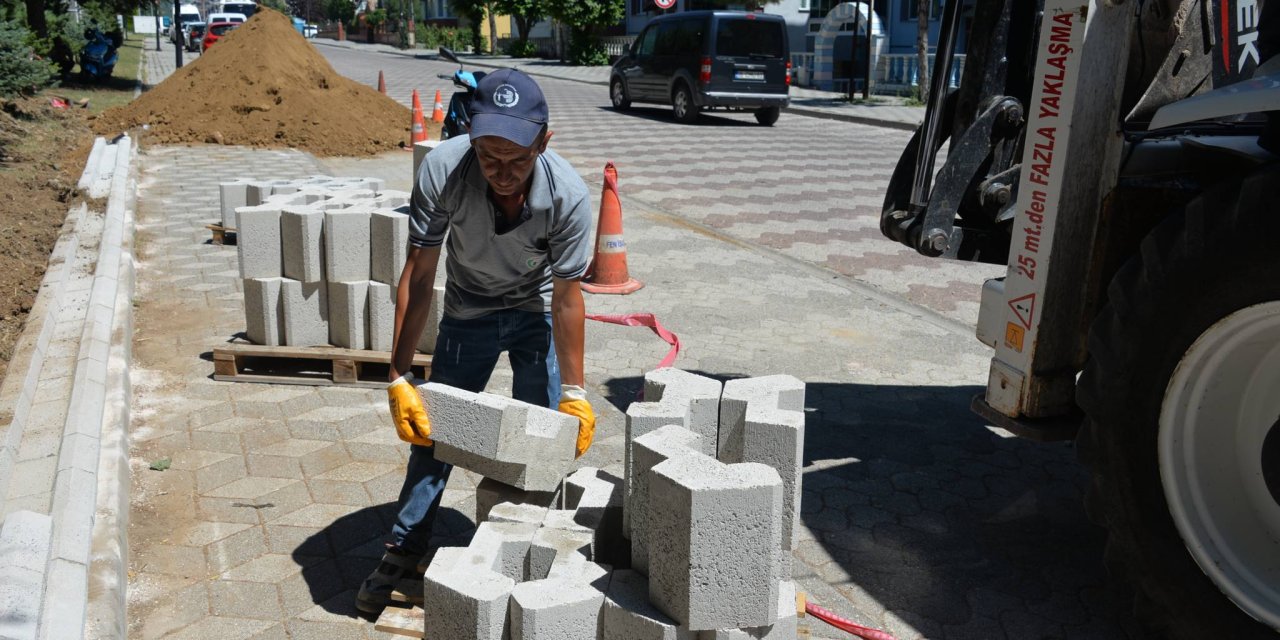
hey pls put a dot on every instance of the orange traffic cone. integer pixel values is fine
(382, 84)
(419, 130)
(608, 270)
(437, 114)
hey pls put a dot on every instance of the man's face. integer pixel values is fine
(507, 165)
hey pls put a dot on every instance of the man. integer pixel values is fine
(517, 219)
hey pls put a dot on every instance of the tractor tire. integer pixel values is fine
(1172, 462)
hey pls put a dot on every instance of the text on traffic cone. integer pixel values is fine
(608, 270)
(437, 113)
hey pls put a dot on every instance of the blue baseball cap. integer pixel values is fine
(508, 104)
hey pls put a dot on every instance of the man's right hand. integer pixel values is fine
(408, 413)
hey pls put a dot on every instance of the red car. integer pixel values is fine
(215, 31)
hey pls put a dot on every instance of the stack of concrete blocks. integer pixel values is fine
(528, 574)
(321, 258)
(524, 446)
(716, 549)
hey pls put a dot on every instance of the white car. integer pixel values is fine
(310, 30)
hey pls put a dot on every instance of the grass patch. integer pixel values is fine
(116, 90)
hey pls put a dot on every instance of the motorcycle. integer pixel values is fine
(98, 58)
(457, 121)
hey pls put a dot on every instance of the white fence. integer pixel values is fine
(894, 71)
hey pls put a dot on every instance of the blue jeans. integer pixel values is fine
(466, 353)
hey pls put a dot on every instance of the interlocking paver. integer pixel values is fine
(244, 600)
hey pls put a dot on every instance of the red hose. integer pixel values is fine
(843, 624)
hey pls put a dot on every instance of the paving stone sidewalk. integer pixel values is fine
(916, 516)
(880, 110)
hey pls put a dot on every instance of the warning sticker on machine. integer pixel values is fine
(1044, 156)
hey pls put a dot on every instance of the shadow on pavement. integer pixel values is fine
(663, 114)
(917, 508)
(337, 558)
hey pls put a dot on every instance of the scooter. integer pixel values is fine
(458, 119)
(98, 58)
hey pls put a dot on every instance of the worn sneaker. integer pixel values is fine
(375, 591)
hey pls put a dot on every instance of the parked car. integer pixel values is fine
(215, 31)
(246, 9)
(707, 59)
(195, 35)
(187, 14)
(310, 31)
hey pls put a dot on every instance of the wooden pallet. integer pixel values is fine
(221, 234)
(320, 366)
(406, 620)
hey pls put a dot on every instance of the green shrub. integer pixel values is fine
(522, 49)
(434, 37)
(20, 72)
(585, 49)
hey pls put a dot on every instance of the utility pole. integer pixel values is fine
(871, 21)
(156, 6)
(853, 47)
(177, 30)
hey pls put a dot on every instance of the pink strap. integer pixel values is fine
(645, 320)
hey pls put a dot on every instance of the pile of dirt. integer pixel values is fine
(264, 85)
(42, 151)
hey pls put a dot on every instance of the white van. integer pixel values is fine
(227, 17)
(187, 13)
(246, 9)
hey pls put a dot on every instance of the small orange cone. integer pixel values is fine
(382, 84)
(419, 131)
(608, 270)
(437, 114)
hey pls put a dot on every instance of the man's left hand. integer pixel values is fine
(573, 401)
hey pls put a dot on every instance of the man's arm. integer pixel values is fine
(413, 303)
(568, 317)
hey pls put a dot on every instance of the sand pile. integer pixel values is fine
(263, 85)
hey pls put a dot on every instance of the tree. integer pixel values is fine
(473, 11)
(922, 46)
(279, 5)
(343, 11)
(526, 13)
(585, 19)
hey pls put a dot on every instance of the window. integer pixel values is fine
(744, 38)
(679, 37)
(804, 5)
(646, 40)
(910, 7)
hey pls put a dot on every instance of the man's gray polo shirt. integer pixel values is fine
(488, 271)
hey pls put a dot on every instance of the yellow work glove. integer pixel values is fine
(573, 401)
(407, 412)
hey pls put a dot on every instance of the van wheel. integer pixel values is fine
(618, 95)
(767, 115)
(682, 105)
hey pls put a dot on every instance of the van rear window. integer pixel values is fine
(744, 38)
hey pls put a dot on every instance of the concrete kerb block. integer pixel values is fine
(715, 545)
(650, 450)
(258, 241)
(491, 493)
(514, 512)
(346, 245)
(762, 420)
(302, 242)
(427, 342)
(25, 544)
(597, 498)
(553, 546)
(463, 597)
(263, 311)
(306, 313)
(420, 151)
(381, 316)
(233, 195)
(389, 245)
(627, 613)
(348, 302)
(786, 627)
(555, 609)
(525, 446)
(675, 397)
(507, 545)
